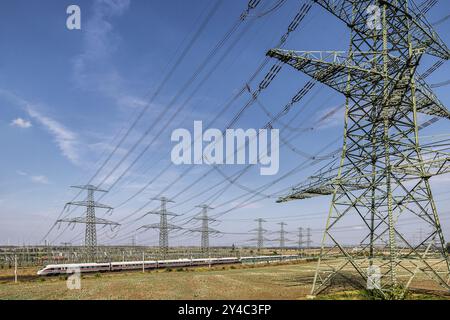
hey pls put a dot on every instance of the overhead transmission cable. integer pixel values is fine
(149, 103)
(252, 5)
(292, 26)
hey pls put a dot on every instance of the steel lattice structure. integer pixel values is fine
(308, 238)
(282, 239)
(383, 176)
(163, 225)
(90, 238)
(300, 238)
(260, 231)
(301, 243)
(205, 229)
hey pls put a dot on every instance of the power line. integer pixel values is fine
(149, 103)
(294, 24)
(251, 5)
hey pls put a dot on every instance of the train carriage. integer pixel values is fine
(54, 269)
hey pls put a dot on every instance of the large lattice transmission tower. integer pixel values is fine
(205, 229)
(260, 231)
(383, 176)
(89, 219)
(163, 226)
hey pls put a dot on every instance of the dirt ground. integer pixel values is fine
(273, 282)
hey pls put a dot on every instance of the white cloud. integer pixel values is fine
(93, 69)
(40, 179)
(131, 102)
(21, 123)
(66, 140)
(36, 179)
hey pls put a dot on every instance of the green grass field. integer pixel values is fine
(271, 282)
(287, 281)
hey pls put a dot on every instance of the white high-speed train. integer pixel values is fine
(54, 269)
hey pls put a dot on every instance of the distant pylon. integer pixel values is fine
(282, 234)
(300, 238)
(205, 229)
(308, 238)
(260, 231)
(163, 225)
(90, 238)
(282, 239)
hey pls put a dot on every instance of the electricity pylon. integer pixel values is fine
(90, 238)
(300, 238)
(308, 238)
(282, 239)
(384, 173)
(163, 226)
(205, 229)
(260, 231)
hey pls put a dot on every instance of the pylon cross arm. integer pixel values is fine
(427, 102)
(85, 220)
(89, 187)
(326, 187)
(204, 218)
(158, 226)
(440, 164)
(173, 227)
(104, 221)
(167, 213)
(89, 204)
(209, 230)
(333, 70)
(327, 69)
(150, 226)
(423, 34)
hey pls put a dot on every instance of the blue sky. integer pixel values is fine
(66, 97)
